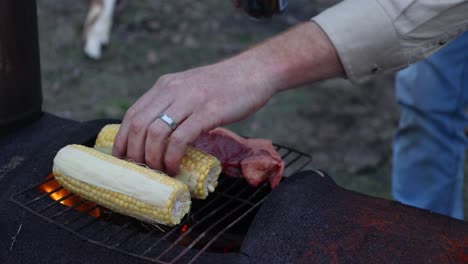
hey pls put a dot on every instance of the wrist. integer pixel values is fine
(309, 57)
(303, 54)
(250, 70)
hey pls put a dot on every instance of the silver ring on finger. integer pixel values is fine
(169, 121)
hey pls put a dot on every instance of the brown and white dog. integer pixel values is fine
(98, 26)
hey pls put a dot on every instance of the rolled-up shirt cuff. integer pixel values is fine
(363, 36)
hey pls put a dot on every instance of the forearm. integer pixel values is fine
(300, 55)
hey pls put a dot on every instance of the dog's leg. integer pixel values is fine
(98, 26)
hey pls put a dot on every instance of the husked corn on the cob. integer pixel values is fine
(199, 170)
(121, 186)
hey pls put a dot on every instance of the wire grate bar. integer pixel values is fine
(206, 231)
(94, 220)
(190, 229)
(301, 167)
(237, 199)
(91, 222)
(56, 202)
(291, 162)
(67, 209)
(232, 201)
(293, 150)
(126, 239)
(116, 232)
(224, 230)
(185, 221)
(145, 237)
(213, 225)
(81, 215)
(286, 154)
(35, 186)
(44, 195)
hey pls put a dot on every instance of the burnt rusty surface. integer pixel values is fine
(213, 231)
(20, 81)
(309, 219)
(25, 158)
(34, 145)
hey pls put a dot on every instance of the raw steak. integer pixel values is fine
(254, 159)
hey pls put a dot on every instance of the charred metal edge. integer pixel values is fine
(231, 198)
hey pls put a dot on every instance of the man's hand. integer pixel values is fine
(198, 100)
(201, 99)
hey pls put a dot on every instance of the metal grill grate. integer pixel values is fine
(217, 224)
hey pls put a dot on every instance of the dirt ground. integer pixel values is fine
(347, 129)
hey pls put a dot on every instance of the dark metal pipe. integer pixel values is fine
(20, 74)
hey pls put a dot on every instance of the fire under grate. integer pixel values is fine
(217, 224)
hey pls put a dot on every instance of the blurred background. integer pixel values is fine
(347, 129)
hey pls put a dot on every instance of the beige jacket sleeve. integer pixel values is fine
(379, 36)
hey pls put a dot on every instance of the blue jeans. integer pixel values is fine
(429, 146)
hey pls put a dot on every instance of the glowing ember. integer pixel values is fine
(58, 193)
(184, 228)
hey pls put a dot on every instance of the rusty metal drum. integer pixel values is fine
(20, 79)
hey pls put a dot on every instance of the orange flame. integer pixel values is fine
(71, 201)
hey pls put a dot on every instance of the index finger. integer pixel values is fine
(121, 140)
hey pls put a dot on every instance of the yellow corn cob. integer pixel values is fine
(199, 170)
(121, 186)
